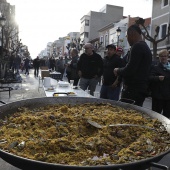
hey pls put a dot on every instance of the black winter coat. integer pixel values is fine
(136, 72)
(90, 66)
(71, 70)
(36, 63)
(160, 89)
(109, 64)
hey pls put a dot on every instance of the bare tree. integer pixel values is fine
(12, 43)
(75, 43)
(153, 40)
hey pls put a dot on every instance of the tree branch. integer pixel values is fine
(162, 38)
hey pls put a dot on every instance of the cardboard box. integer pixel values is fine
(45, 73)
(44, 68)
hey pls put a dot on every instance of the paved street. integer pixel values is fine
(30, 89)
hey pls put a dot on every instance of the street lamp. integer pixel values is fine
(118, 34)
(2, 23)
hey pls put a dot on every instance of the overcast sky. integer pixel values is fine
(43, 21)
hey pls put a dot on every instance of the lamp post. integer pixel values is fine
(2, 23)
(118, 34)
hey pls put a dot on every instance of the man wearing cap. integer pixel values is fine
(90, 68)
(111, 86)
(136, 72)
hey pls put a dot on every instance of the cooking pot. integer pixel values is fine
(27, 164)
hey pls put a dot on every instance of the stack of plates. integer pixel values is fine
(63, 84)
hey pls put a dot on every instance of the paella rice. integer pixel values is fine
(61, 134)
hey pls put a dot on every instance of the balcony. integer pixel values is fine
(84, 29)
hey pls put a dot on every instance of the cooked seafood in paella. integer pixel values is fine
(61, 134)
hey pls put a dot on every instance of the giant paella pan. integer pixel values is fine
(54, 133)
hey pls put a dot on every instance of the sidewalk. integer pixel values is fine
(29, 88)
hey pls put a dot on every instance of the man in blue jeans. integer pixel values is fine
(111, 84)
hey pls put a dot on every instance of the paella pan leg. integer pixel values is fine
(160, 166)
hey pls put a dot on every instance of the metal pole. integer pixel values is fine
(1, 57)
(2, 43)
(118, 34)
(118, 41)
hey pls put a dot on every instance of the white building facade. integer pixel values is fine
(93, 21)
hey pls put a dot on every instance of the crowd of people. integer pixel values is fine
(16, 63)
(131, 77)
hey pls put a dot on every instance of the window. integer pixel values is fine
(86, 34)
(165, 2)
(163, 30)
(86, 22)
(101, 39)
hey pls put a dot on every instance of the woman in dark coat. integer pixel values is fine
(160, 85)
(71, 70)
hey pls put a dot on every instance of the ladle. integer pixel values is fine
(97, 125)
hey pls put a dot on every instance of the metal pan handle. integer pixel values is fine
(160, 166)
(127, 100)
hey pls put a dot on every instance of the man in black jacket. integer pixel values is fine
(36, 64)
(136, 73)
(90, 68)
(111, 86)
